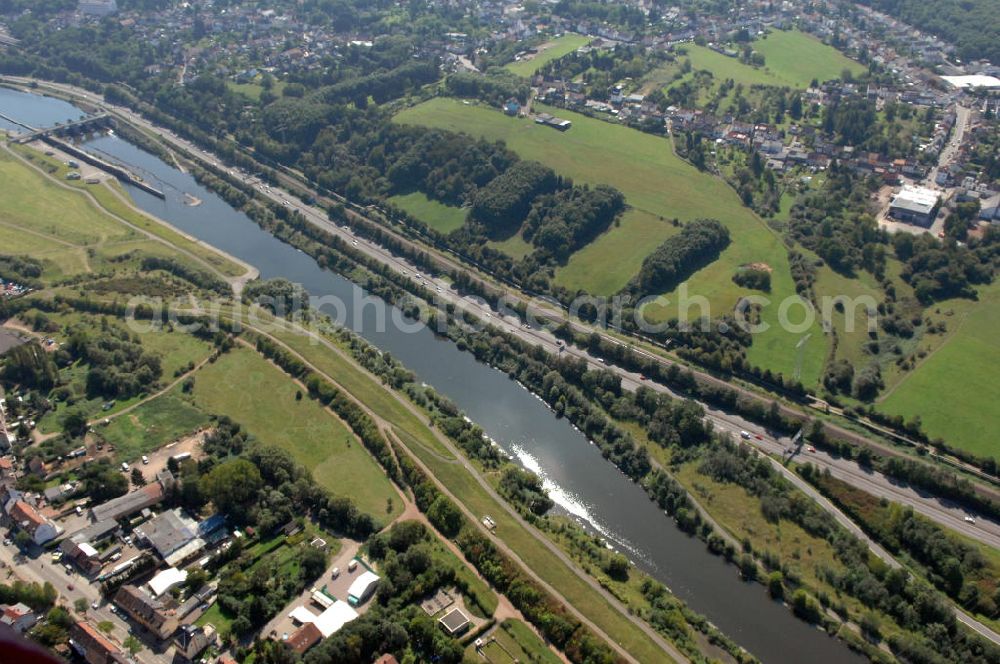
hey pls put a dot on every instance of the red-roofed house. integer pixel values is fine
(27, 518)
(304, 638)
(92, 646)
(18, 617)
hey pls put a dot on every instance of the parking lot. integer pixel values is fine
(281, 624)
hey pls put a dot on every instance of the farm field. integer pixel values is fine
(442, 218)
(548, 52)
(952, 388)
(659, 184)
(247, 388)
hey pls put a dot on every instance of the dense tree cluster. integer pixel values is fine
(502, 205)
(939, 271)
(118, 366)
(495, 87)
(698, 244)
(29, 365)
(569, 219)
(23, 270)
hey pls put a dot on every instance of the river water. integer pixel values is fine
(577, 477)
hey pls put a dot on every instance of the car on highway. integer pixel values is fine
(745, 435)
(970, 519)
(811, 449)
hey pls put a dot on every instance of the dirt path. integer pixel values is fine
(488, 488)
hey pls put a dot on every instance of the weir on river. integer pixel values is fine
(578, 478)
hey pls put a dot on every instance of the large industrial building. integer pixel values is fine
(915, 205)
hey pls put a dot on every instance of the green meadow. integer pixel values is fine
(548, 52)
(253, 392)
(658, 186)
(791, 59)
(952, 389)
(437, 215)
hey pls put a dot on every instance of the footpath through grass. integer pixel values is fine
(460, 481)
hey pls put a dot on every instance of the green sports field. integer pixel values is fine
(548, 52)
(656, 184)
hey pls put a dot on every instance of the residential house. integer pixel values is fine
(192, 640)
(18, 617)
(146, 610)
(92, 646)
(27, 518)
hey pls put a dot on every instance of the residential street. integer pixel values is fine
(40, 568)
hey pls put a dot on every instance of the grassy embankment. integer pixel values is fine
(115, 205)
(461, 482)
(658, 186)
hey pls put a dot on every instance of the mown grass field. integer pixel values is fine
(72, 235)
(953, 389)
(442, 218)
(250, 390)
(656, 183)
(548, 52)
(799, 58)
(791, 58)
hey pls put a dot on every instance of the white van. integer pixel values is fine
(351, 566)
(335, 573)
(145, 459)
(124, 467)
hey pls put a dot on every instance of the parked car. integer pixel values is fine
(145, 459)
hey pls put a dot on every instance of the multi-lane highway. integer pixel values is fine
(944, 512)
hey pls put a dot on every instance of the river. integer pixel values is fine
(578, 478)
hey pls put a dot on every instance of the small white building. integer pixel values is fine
(362, 588)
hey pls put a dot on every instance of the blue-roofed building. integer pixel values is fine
(211, 524)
